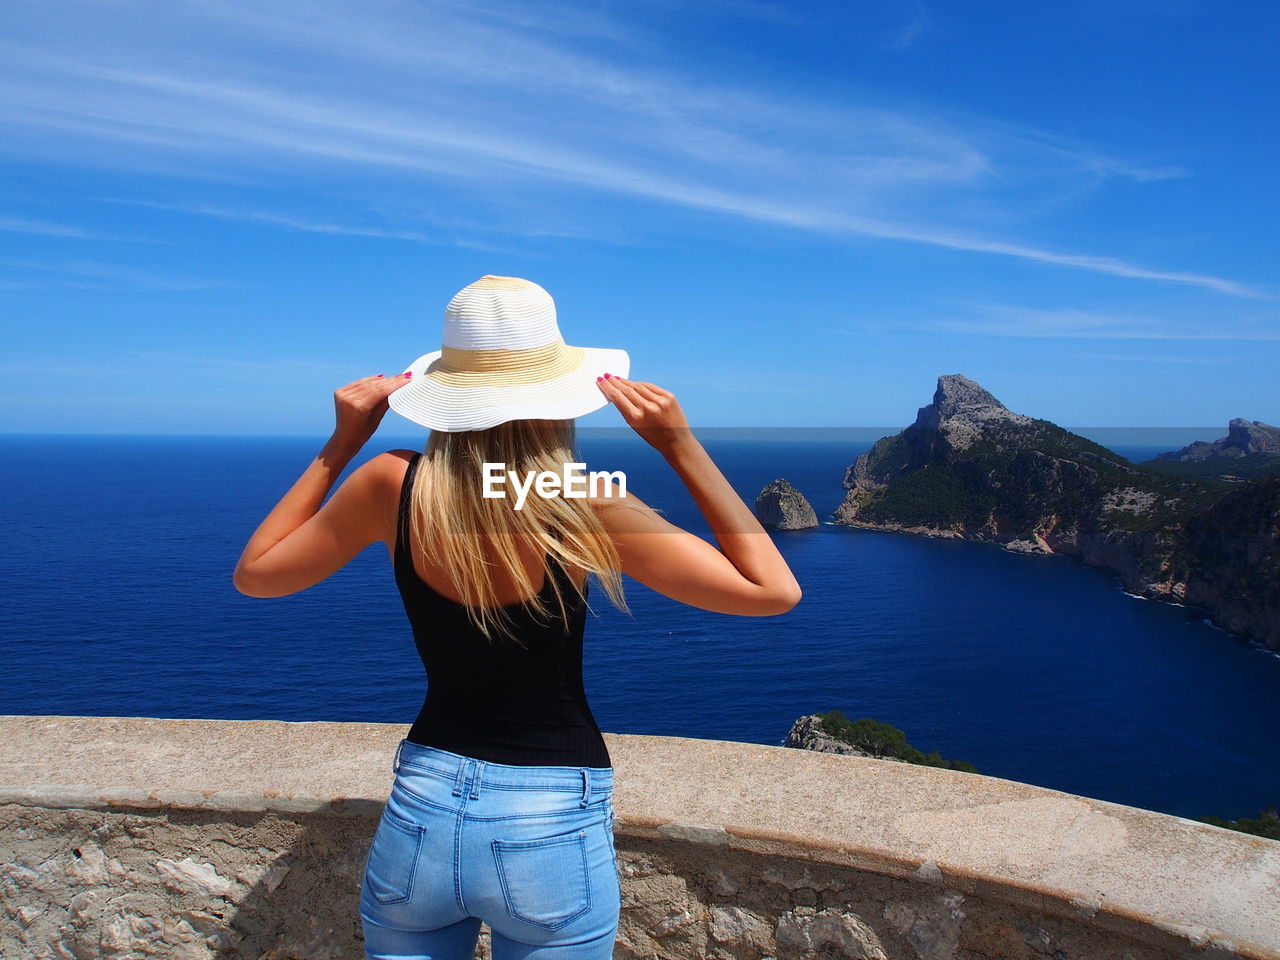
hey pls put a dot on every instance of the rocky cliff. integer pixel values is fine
(833, 732)
(1250, 449)
(807, 733)
(783, 507)
(1244, 438)
(1233, 560)
(969, 467)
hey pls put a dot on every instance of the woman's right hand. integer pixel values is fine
(746, 576)
(651, 411)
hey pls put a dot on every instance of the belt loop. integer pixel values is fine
(475, 782)
(395, 764)
(586, 787)
(457, 781)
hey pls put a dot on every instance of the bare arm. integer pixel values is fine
(747, 576)
(303, 540)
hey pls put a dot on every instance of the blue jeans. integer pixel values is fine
(527, 849)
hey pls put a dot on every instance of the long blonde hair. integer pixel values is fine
(450, 515)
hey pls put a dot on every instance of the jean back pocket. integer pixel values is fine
(546, 881)
(393, 859)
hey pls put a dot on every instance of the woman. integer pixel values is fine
(501, 808)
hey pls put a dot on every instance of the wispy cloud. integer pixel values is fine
(153, 363)
(241, 366)
(1003, 320)
(16, 225)
(908, 34)
(284, 220)
(703, 380)
(1193, 360)
(496, 98)
(310, 225)
(93, 275)
(741, 9)
(67, 231)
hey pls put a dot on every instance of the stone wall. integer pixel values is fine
(135, 837)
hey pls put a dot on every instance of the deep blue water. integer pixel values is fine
(116, 599)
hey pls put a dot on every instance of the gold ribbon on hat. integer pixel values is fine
(457, 367)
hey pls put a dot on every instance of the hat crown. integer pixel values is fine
(501, 313)
(503, 359)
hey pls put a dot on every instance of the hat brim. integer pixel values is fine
(451, 409)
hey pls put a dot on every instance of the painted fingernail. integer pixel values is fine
(598, 379)
(408, 376)
(379, 376)
(608, 376)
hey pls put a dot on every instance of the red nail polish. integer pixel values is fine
(380, 376)
(608, 376)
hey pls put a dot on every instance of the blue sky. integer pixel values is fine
(213, 213)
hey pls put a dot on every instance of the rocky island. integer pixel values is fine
(1245, 438)
(833, 732)
(783, 507)
(1251, 448)
(810, 733)
(970, 467)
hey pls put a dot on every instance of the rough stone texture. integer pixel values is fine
(807, 733)
(961, 410)
(1244, 438)
(139, 837)
(781, 506)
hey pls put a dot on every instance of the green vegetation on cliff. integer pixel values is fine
(929, 497)
(1231, 550)
(884, 740)
(1265, 824)
(969, 466)
(1252, 466)
(1018, 475)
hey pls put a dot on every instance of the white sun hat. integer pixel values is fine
(504, 358)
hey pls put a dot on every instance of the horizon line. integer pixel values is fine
(622, 431)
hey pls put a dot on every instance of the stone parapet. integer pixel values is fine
(212, 838)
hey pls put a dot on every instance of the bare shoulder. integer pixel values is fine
(387, 470)
(381, 479)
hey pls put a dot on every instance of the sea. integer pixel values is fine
(116, 600)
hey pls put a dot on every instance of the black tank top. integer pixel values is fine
(500, 701)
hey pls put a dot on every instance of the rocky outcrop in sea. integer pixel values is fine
(807, 733)
(970, 467)
(782, 507)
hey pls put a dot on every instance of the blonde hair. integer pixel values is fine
(450, 516)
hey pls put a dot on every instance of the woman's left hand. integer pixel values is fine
(360, 407)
